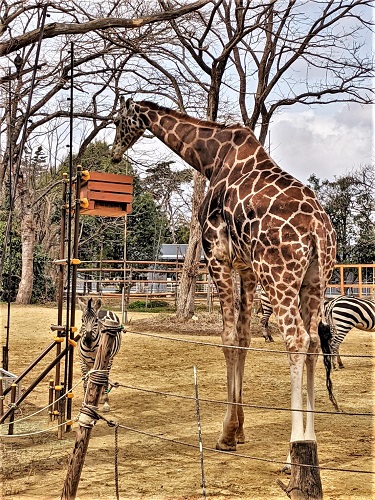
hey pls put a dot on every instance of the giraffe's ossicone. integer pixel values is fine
(261, 222)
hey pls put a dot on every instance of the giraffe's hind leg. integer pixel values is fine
(233, 336)
(222, 277)
(248, 286)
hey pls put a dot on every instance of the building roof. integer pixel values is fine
(175, 251)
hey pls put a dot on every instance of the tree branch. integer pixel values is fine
(57, 29)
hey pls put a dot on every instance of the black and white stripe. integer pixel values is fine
(92, 318)
(266, 310)
(344, 313)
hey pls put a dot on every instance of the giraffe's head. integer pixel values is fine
(130, 125)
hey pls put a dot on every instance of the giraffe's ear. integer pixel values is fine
(122, 101)
(129, 104)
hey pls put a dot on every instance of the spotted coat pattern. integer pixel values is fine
(258, 220)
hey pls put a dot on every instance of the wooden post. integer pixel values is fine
(305, 483)
(87, 418)
(50, 399)
(12, 403)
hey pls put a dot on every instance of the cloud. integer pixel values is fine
(328, 145)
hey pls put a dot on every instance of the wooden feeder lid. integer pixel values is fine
(109, 195)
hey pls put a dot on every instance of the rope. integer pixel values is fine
(111, 423)
(98, 377)
(45, 408)
(247, 405)
(88, 415)
(50, 429)
(256, 349)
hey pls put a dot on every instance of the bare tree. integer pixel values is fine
(264, 57)
(94, 71)
(230, 60)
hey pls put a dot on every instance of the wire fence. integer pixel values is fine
(120, 425)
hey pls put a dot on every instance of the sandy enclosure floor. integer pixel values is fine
(154, 461)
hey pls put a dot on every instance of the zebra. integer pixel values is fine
(266, 310)
(344, 313)
(89, 342)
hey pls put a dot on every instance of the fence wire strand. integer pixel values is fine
(111, 423)
(255, 349)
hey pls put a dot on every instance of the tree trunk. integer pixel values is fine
(28, 242)
(186, 290)
(305, 483)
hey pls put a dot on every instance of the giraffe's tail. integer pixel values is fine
(325, 335)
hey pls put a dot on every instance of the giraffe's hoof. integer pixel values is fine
(240, 438)
(286, 469)
(220, 445)
(341, 367)
(106, 407)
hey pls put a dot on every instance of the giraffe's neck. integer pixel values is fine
(202, 144)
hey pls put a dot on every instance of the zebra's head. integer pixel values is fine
(90, 327)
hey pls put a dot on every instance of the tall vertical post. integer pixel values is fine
(75, 262)
(5, 358)
(60, 281)
(124, 301)
(69, 364)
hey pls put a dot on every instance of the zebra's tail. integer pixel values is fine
(325, 335)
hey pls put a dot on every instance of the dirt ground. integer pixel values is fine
(153, 459)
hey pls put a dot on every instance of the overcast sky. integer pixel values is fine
(327, 141)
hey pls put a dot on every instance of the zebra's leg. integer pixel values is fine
(340, 363)
(335, 356)
(265, 329)
(105, 400)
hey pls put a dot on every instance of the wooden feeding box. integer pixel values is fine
(109, 195)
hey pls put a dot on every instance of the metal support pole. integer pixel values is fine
(60, 297)
(67, 375)
(73, 294)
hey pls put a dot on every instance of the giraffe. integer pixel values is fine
(258, 220)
